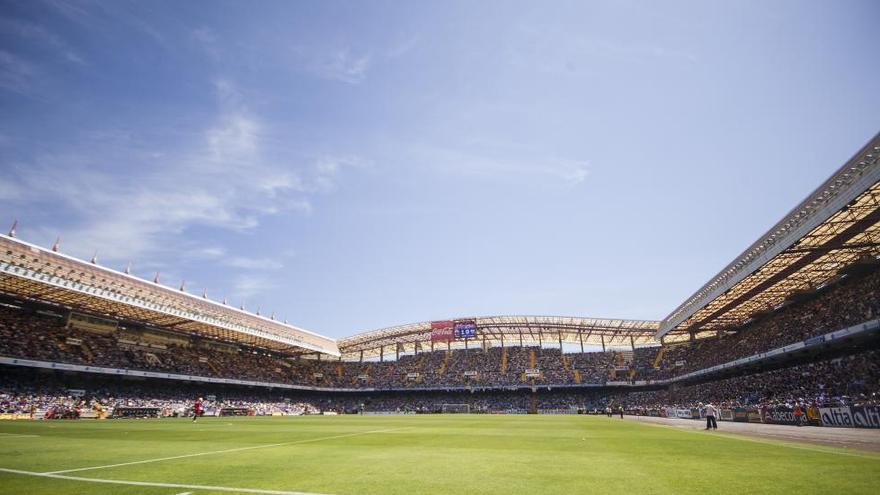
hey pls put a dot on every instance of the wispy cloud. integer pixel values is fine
(16, 74)
(207, 40)
(128, 204)
(554, 170)
(341, 64)
(42, 37)
(249, 285)
(220, 255)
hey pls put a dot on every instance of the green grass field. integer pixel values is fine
(450, 454)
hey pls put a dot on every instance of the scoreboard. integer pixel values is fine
(465, 329)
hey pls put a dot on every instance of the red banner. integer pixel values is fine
(442, 331)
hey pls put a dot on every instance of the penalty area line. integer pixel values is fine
(225, 451)
(153, 484)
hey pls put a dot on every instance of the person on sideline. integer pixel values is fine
(711, 415)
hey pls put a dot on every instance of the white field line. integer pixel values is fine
(771, 442)
(226, 451)
(158, 485)
(17, 435)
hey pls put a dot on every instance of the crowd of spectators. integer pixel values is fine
(853, 300)
(42, 335)
(54, 395)
(45, 337)
(22, 393)
(847, 380)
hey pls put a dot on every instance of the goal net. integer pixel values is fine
(456, 409)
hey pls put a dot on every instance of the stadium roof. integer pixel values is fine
(508, 330)
(31, 272)
(834, 227)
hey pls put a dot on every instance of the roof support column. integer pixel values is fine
(381, 353)
(397, 352)
(581, 337)
(693, 335)
(560, 342)
(603, 343)
(632, 343)
(502, 340)
(361, 360)
(520, 338)
(432, 346)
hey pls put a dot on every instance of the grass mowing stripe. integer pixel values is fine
(158, 485)
(226, 451)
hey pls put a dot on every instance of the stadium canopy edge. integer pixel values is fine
(31, 272)
(834, 227)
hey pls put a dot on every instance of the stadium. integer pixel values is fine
(786, 334)
(765, 380)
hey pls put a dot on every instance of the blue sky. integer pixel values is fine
(355, 165)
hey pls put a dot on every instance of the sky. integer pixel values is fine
(356, 165)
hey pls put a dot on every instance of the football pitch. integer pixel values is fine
(445, 454)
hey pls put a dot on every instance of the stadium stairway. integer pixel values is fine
(504, 359)
(659, 358)
(444, 364)
(87, 352)
(577, 376)
(213, 367)
(532, 358)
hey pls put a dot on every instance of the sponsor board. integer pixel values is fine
(866, 416)
(781, 416)
(740, 415)
(442, 331)
(683, 413)
(836, 416)
(813, 417)
(726, 415)
(533, 372)
(753, 414)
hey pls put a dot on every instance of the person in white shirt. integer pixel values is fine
(711, 416)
